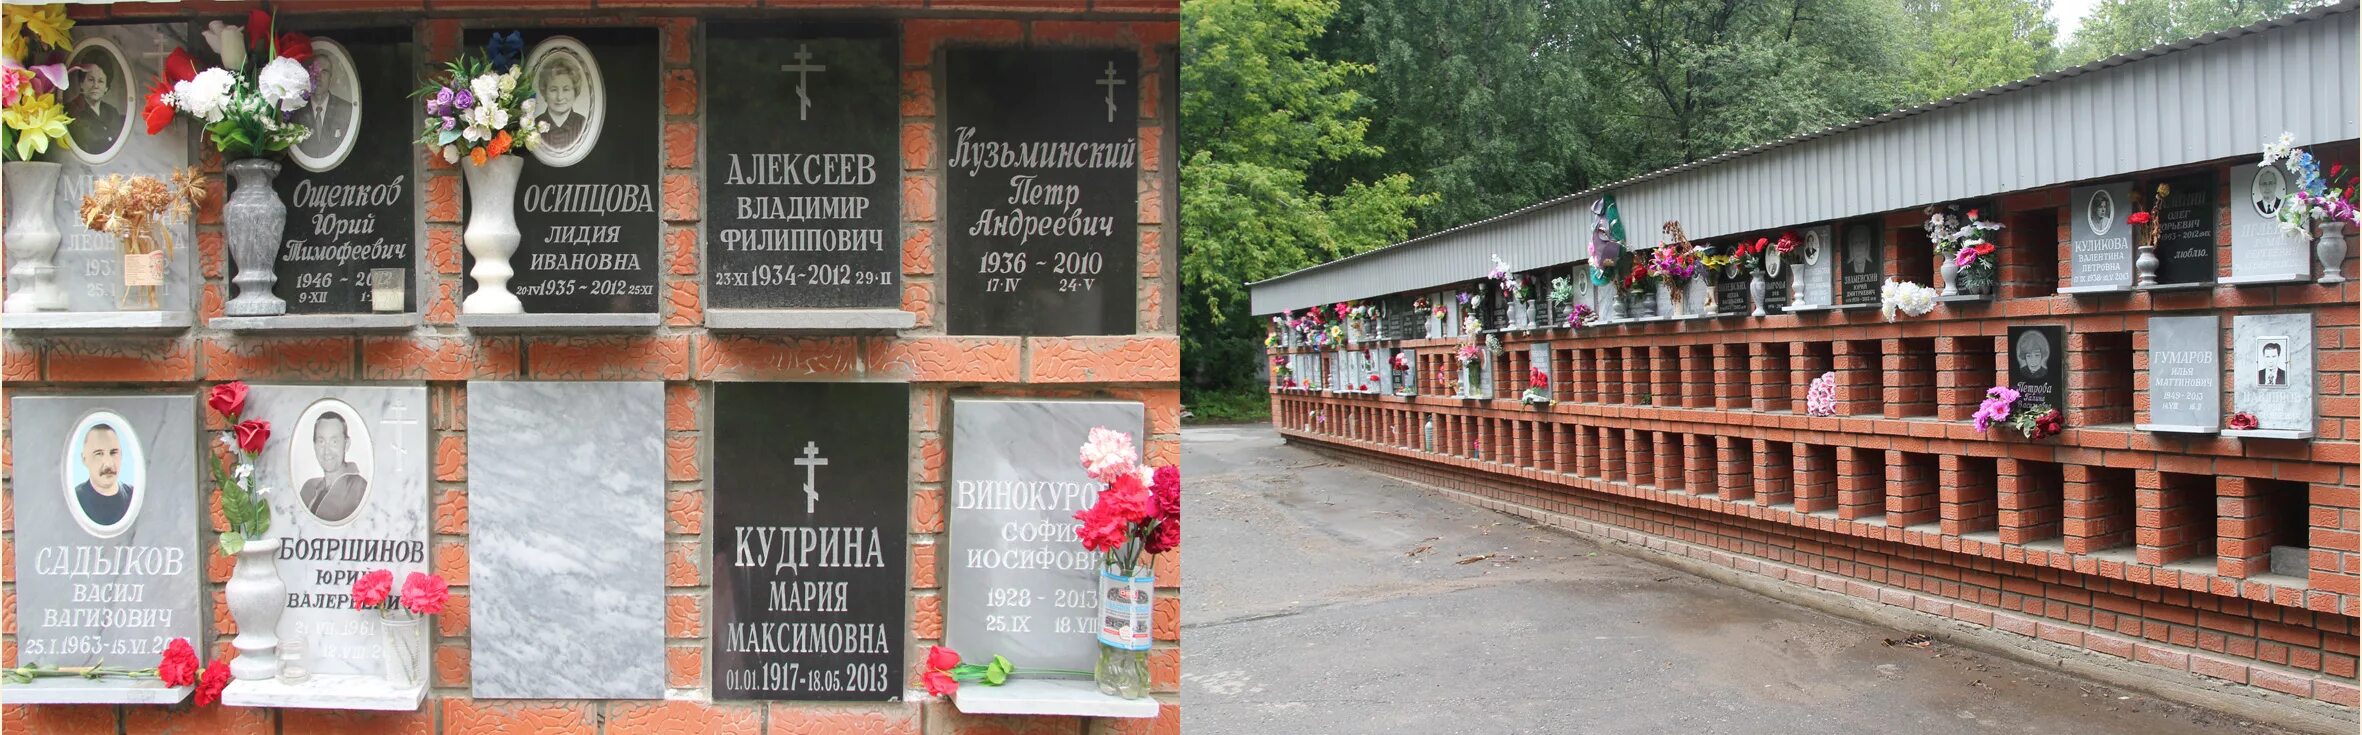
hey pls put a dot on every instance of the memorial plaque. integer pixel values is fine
(351, 463)
(2260, 252)
(566, 539)
(587, 201)
(803, 202)
(1775, 280)
(350, 211)
(1861, 266)
(1730, 290)
(2037, 362)
(1042, 197)
(2100, 251)
(108, 566)
(110, 138)
(2185, 245)
(2185, 374)
(1815, 261)
(1020, 584)
(2272, 372)
(812, 539)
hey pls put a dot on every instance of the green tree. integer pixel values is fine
(2124, 26)
(1967, 45)
(1258, 110)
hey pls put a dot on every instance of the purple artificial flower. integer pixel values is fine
(466, 100)
(1967, 255)
(440, 104)
(450, 123)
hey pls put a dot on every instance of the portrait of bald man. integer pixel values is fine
(337, 492)
(104, 498)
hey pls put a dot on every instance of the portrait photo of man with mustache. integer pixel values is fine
(104, 498)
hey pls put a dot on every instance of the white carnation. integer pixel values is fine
(486, 89)
(206, 96)
(284, 82)
(508, 81)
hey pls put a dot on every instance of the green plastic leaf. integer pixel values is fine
(232, 542)
(446, 137)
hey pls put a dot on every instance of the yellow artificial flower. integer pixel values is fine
(46, 22)
(37, 119)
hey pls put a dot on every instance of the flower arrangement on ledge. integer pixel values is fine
(2243, 421)
(482, 106)
(2002, 405)
(1965, 245)
(1905, 298)
(32, 114)
(2317, 199)
(247, 110)
(1537, 389)
(1820, 398)
(1581, 316)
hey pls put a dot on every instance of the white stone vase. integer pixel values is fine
(2144, 266)
(491, 235)
(2330, 249)
(257, 598)
(1755, 292)
(32, 237)
(253, 221)
(404, 637)
(1951, 271)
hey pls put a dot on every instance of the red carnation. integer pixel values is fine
(1101, 529)
(424, 594)
(296, 46)
(210, 685)
(1166, 538)
(2242, 421)
(941, 684)
(258, 28)
(1167, 491)
(371, 589)
(1972, 214)
(157, 113)
(179, 667)
(252, 433)
(941, 659)
(228, 398)
(2138, 218)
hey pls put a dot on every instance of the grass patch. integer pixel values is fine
(1247, 405)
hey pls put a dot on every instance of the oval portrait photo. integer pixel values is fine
(573, 100)
(329, 461)
(106, 474)
(334, 114)
(98, 98)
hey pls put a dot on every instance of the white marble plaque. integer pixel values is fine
(348, 466)
(2272, 374)
(2185, 374)
(110, 138)
(2260, 252)
(1815, 261)
(566, 539)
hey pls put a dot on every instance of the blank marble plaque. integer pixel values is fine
(566, 539)
(61, 550)
(338, 528)
(1014, 464)
(2185, 374)
(90, 264)
(2277, 388)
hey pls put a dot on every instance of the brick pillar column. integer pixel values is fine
(2167, 520)
(1909, 380)
(1960, 382)
(1733, 472)
(1519, 443)
(2094, 515)
(2030, 502)
(1816, 479)
(1640, 457)
(1565, 376)
(1967, 490)
(1697, 369)
(1563, 456)
(1730, 376)
(1514, 379)
(1545, 440)
(1697, 464)
(1665, 378)
(1857, 364)
(2243, 528)
(1803, 366)
(1586, 451)
(1775, 480)
(1636, 373)
(1859, 473)
(1911, 495)
(1767, 378)
(1665, 448)
(1611, 455)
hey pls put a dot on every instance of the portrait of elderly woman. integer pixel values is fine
(573, 100)
(98, 99)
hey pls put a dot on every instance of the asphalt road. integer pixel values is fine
(1328, 599)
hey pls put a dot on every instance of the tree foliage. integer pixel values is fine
(1967, 45)
(2123, 26)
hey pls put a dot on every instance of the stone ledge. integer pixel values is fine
(2290, 434)
(2176, 286)
(2260, 280)
(1049, 697)
(75, 690)
(118, 322)
(559, 322)
(317, 323)
(2083, 290)
(324, 691)
(809, 320)
(2176, 428)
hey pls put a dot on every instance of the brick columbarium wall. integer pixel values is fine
(1132, 359)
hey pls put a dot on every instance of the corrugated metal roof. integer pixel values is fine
(2228, 92)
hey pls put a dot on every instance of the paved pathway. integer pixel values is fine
(1328, 599)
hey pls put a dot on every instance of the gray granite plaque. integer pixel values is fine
(566, 539)
(1815, 261)
(2260, 252)
(2272, 374)
(1861, 266)
(350, 465)
(108, 567)
(1014, 590)
(2185, 374)
(2101, 248)
(2037, 364)
(110, 138)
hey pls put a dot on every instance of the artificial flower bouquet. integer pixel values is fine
(1966, 242)
(2147, 223)
(481, 105)
(137, 212)
(2004, 405)
(32, 113)
(246, 103)
(1537, 391)
(2243, 421)
(2318, 199)
(1581, 316)
(1820, 397)
(1905, 298)
(246, 506)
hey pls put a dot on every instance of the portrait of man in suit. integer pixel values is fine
(104, 498)
(334, 107)
(2272, 363)
(342, 484)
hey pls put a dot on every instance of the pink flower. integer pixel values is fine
(179, 666)
(1108, 453)
(1167, 490)
(1166, 538)
(371, 589)
(424, 594)
(1965, 257)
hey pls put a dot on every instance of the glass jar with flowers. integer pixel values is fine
(1136, 517)
(481, 109)
(138, 212)
(401, 617)
(32, 76)
(246, 104)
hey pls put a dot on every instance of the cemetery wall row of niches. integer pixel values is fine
(749, 175)
(2197, 512)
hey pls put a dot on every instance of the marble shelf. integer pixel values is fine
(2176, 429)
(2291, 434)
(809, 320)
(75, 690)
(1073, 697)
(317, 323)
(325, 691)
(559, 322)
(111, 322)
(2292, 278)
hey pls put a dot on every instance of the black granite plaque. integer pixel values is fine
(1730, 290)
(1861, 265)
(2185, 239)
(587, 201)
(351, 218)
(801, 173)
(812, 514)
(2037, 364)
(1775, 286)
(1042, 190)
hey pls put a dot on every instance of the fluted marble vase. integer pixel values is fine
(2330, 249)
(257, 598)
(32, 237)
(253, 220)
(491, 234)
